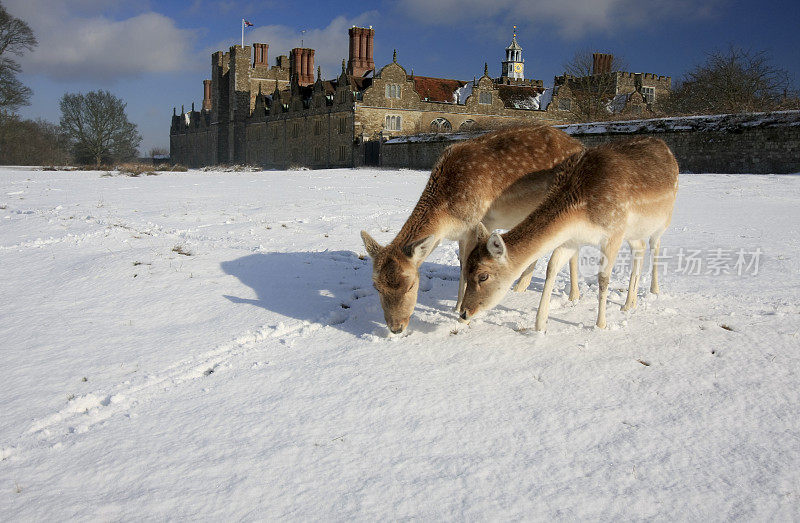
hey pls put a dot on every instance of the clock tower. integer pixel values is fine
(514, 65)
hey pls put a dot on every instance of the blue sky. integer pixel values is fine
(156, 54)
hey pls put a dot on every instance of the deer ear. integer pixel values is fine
(373, 247)
(496, 246)
(481, 233)
(420, 249)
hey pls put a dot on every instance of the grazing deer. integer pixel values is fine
(498, 178)
(618, 191)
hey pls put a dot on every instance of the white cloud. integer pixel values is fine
(330, 43)
(76, 46)
(570, 18)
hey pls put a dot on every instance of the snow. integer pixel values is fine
(461, 94)
(251, 377)
(546, 97)
(717, 122)
(530, 103)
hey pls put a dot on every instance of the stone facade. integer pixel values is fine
(630, 94)
(279, 116)
(738, 143)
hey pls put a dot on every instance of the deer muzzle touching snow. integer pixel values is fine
(618, 191)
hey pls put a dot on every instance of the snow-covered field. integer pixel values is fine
(209, 346)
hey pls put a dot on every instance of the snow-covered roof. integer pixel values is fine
(435, 137)
(520, 96)
(717, 122)
(617, 104)
(545, 98)
(462, 93)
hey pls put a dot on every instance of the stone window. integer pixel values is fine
(564, 104)
(649, 94)
(342, 153)
(393, 123)
(485, 98)
(275, 132)
(317, 154)
(317, 127)
(342, 125)
(441, 125)
(468, 125)
(392, 91)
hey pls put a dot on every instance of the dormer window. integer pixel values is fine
(393, 91)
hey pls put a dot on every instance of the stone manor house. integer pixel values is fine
(281, 116)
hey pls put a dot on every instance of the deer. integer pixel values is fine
(496, 179)
(622, 190)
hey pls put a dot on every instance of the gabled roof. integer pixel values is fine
(437, 89)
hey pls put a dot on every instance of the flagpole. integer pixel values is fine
(242, 32)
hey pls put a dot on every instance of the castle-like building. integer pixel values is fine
(281, 116)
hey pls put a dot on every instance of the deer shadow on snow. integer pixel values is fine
(334, 288)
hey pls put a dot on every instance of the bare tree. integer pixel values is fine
(98, 129)
(731, 81)
(592, 91)
(15, 39)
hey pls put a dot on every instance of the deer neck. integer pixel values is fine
(542, 232)
(425, 220)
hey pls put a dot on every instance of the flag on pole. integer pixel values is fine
(245, 23)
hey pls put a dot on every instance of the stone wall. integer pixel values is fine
(743, 143)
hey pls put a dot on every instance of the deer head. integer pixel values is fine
(489, 274)
(395, 275)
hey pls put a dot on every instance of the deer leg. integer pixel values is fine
(655, 247)
(525, 278)
(574, 292)
(557, 260)
(610, 250)
(465, 246)
(637, 249)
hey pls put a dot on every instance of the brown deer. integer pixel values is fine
(497, 179)
(618, 191)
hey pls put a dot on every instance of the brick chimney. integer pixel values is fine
(206, 95)
(601, 63)
(301, 63)
(361, 47)
(260, 54)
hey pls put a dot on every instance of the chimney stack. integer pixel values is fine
(301, 63)
(260, 54)
(361, 48)
(601, 63)
(206, 95)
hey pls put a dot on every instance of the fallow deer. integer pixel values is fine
(497, 179)
(618, 191)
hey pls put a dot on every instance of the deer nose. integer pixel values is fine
(397, 330)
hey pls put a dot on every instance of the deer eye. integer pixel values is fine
(483, 276)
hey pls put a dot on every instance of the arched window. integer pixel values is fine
(468, 125)
(392, 91)
(441, 125)
(393, 123)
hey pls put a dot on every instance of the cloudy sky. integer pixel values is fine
(155, 54)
